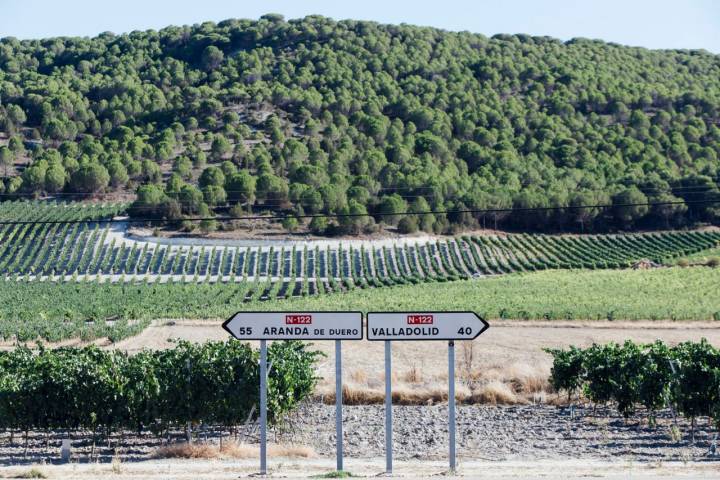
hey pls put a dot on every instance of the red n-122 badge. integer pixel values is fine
(420, 319)
(298, 319)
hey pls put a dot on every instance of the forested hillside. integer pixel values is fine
(317, 116)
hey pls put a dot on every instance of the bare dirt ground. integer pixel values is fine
(506, 343)
(291, 468)
(533, 441)
(268, 230)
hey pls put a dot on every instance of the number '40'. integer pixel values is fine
(465, 331)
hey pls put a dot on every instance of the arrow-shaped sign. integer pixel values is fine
(424, 325)
(295, 326)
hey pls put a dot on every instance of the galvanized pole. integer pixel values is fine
(388, 407)
(263, 407)
(451, 402)
(338, 405)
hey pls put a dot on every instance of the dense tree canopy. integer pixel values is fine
(317, 116)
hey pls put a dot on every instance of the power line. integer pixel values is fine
(382, 189)
(352, 215)
(275, 203)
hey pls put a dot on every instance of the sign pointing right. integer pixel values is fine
(424, 325)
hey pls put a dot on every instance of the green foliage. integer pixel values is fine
(214, 195)
(379, 115)
(614, 372)
(191, 199)
(220, 147)
(55, 179)
(241, 187)
(318, 225)
(59, 310)
(629, 208)
(211, 57)
(390, 206)
(7, 158)
(118, 174)
(338, 474)
(290, 224)
(655, 376)
(212, 176)
(408, 224)
(216, 383)
(90, 178)
(652, 375)
(151, 202)
(697, 390)
(567, 369)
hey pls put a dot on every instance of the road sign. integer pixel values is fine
(266, 326)
(295, 326)
(451, 326)
(424, 325)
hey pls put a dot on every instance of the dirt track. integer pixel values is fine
(292, 468)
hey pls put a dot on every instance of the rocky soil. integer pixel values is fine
(506, 433)
(484, 433)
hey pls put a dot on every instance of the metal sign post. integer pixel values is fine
(338, 406)
(451, 402)
(451, 326)
(263, 407)
(388, 407)
(265, 326)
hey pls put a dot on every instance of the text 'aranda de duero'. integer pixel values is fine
(305, 331)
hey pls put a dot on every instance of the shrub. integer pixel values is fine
(567, 370)
(633, 374)
(290, 224)
(697, 375)
(213, 383)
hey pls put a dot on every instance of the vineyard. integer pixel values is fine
(89, 310)
(90, 389)
(97, 251)
(90, 279)
(654, 376)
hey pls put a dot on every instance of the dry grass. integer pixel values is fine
(359, 376)
(402, 394)
(511, 384)
(516, 383)
(231, 450)
(414, 375)
(427, 394)
(291, 451)
(495, 393)
(528, 379)
(32, 473)
(523, 377)
(467, 358)
(359, 394)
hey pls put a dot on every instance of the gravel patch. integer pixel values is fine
(504, 433)
(484, 433)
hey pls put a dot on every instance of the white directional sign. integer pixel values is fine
(424, 325)
(295, 326)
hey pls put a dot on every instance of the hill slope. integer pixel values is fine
(318, 116)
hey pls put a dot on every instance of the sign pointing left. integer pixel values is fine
(295, 326)
(266, 326)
